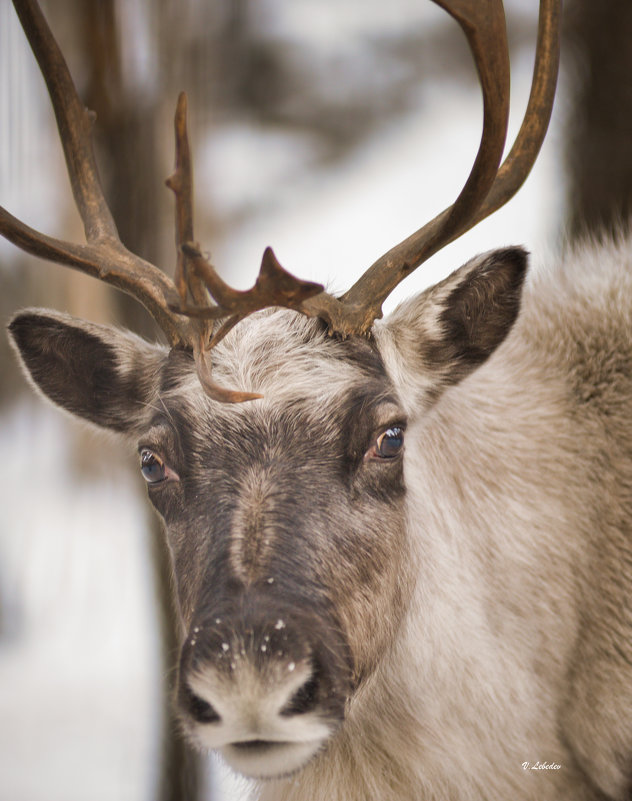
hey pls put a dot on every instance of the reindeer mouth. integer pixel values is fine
(269, 759)
(258, 746)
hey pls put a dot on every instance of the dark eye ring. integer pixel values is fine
(389, 444)
(153, 468)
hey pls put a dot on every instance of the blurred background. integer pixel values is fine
(329, 129)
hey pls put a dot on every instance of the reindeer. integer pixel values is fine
(401, 547)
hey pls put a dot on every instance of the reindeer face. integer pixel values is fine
(284, 516)
(285, 520)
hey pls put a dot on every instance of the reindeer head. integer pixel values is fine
(285, 516)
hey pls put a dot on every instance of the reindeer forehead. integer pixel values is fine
(288, 359)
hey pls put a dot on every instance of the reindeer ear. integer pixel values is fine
(98, 373)
(439, 337)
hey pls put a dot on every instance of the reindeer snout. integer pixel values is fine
(267, 686)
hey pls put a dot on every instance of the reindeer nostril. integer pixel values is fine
(304, 699)
(200, 710)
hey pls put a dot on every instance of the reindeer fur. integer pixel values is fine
(499, 632)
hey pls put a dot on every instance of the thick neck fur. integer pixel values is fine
(457, 706)
(514, 650)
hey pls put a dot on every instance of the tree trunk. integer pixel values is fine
(599, 144)
(127, 128)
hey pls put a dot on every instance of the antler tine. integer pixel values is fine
(487, 187)
(104, 257)
(187, 279)
(517, 166)
(181, 184)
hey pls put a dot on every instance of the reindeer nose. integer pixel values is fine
(258, 686)
(225, 652)
(275, 663)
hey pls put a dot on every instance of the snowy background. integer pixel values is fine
(80, 710)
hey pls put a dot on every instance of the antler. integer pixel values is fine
(191, 325)
(488, 187)
(197, 276)
(104, 256)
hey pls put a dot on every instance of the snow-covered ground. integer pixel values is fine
(79, 682)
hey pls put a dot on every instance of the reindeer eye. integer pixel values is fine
(389, 444)
(152, 467)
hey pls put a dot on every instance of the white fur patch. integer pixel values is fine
(249, 703)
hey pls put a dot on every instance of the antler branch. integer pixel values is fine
(110, 263)
(187, 278)
(181, 183)
(274, 287)
(74, 122)
(517, 166)
(487, 187)
(104, 256)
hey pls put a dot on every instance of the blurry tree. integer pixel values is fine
(129, 158)
(599, 136)
(128, 146)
